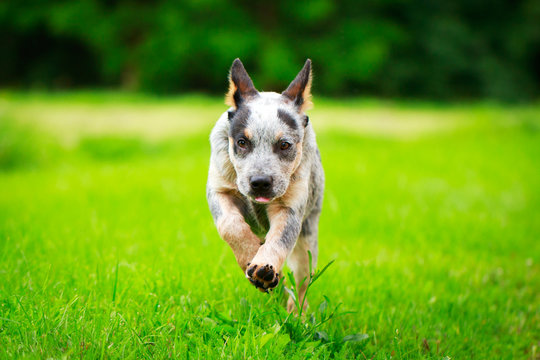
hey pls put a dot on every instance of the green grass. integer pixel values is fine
(107, 249)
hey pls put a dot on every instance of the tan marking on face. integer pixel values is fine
(248, 133)
(297, 161)
(279, 135)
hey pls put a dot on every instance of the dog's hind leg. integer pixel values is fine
(298, 260)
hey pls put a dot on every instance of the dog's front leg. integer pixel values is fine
(232, 227)
(265, 268)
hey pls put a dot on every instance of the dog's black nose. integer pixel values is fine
(260, 183)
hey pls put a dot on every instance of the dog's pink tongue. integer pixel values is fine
(262, 199)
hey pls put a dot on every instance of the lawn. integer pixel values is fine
(108, 250)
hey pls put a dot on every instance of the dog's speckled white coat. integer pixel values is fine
(288, 225)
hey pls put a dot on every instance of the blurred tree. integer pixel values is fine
(394, 48)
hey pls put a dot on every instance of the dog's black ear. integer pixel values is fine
(299, 91)
(241, 87)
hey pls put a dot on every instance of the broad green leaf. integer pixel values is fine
(355, 337)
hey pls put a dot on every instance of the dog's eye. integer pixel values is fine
(242, 143)
(285, 145)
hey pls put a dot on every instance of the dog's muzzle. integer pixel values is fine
(260, 184)
(261, 187)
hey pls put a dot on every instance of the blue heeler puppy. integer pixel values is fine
(265, 182)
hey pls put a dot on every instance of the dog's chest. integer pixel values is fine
(257, 218)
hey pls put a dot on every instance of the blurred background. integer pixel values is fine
(449, 50)
(428, 123)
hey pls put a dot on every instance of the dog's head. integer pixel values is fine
(266, 132)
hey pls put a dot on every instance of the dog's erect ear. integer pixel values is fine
(299, 91)
(240, 85)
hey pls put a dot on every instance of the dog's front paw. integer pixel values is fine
(263, 277)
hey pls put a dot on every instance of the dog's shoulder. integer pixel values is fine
(220, 133)
(221, 174)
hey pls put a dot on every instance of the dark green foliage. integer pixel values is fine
(444, 50)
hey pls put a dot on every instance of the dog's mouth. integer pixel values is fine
(262, 199)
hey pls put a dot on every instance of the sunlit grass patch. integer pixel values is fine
(116, 147)
(107, 248)
(22, 146)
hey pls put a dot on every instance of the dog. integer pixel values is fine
(266, 180)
